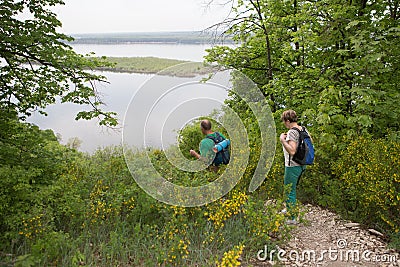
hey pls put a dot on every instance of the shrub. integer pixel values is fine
(231, 257)
(368, 171)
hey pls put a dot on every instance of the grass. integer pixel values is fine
(152, 65)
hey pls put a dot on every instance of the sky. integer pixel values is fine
(116, 16)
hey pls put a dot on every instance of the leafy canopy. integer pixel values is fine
(334, 62)
(37, 67)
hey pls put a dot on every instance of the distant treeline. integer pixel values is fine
(151, 37)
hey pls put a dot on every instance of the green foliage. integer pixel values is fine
(369, 191)
(87, 209)
(38, 67)
(30, 160)
(332, 62)
(190, 135)
(256, 210)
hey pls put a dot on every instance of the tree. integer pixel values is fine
(336, 63)
(37, 67)
(30, 161)
(74, 143)
(332, 61)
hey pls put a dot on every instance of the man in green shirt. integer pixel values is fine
(207, 144)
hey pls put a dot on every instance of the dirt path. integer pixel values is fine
(326, 240)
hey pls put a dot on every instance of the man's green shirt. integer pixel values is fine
(206, 146)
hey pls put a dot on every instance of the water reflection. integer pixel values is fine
(117, 96)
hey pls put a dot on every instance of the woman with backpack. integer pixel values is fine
(293, 167)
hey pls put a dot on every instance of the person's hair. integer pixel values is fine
(289, 115)
(205, 125)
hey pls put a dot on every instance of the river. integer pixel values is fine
(119, 93)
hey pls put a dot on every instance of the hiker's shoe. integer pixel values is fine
(292, 222)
